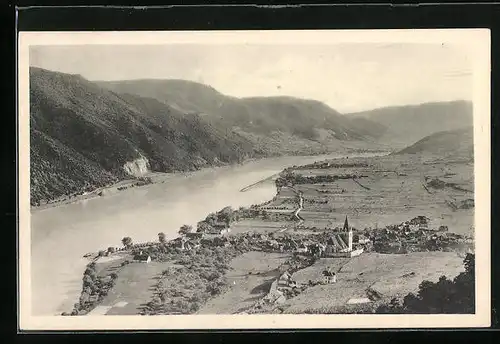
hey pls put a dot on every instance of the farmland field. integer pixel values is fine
(390, 190)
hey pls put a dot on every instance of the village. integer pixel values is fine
(305, 250)
(312, 253)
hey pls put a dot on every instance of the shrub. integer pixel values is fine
(194, 307)
(185, 229)
(182, 306)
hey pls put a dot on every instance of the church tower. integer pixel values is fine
(346, 225)
(348, 229)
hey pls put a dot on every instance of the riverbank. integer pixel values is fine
(156, 177)
(98, 192)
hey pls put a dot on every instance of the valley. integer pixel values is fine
(262, 187)
(403, 225)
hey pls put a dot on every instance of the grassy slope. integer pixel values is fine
(453, 142)
(408, 124)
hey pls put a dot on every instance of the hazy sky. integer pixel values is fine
(348, 77)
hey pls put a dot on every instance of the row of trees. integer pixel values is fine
(294, 179)
(128, 243)
(94, 289)
(227, 215)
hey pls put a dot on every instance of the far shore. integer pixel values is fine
(159, 177)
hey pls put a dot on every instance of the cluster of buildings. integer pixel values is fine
(340, 244)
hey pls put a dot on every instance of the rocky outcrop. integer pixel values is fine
(138, 167)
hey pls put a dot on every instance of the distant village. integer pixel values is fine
(342, 242)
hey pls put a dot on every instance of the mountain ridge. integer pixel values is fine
(256, 115)
(408, 124)
(84, 136)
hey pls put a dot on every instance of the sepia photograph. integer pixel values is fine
(251, 179)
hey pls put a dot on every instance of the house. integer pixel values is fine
(273, 244)
(180, 242)
(189, 245)
(423, 226)
(286, 281)
(194, 235)
(143, 257)
(363, 240)
(329, 276)
(317, 249)
(357, 301)
(302, 248)
(215, 241)
(219, 228)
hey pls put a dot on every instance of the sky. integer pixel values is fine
(349, 77)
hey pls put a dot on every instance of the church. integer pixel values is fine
(340, 243)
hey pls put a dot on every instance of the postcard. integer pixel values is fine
(254, 179)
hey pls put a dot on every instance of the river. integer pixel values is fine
(61, 235)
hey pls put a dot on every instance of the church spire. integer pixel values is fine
(346, 224)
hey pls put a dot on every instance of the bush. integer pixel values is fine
(194, 307)
(182, 306)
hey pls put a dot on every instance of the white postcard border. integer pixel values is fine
(476, 42)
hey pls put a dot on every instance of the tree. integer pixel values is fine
(211, 219)
(127, 242)
(203, 227)
(185, 229)
(226, 215)
(88, 281)
(91, 272)
(111, 249)
(84, 298)
(161, 237)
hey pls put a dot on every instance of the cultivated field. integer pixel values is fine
(134, 287)
(249, 279)
(385, 275)
(388, 191)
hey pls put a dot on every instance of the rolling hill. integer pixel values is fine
(84, 135)
(457, 142)
(257, 116)
(408, 124)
